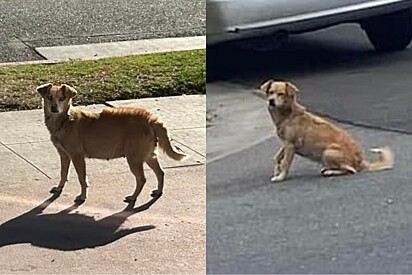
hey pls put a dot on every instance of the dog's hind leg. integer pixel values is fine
(154, 164)
(136, 166)
(327, 172)
(64, 171)
(80, 166)
(335, 163)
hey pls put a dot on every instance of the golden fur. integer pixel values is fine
(313, 137)
(133, 133)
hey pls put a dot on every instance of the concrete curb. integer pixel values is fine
(60, 54)
(124, 48)
(33, 62)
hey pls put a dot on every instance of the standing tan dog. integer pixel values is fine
(133, 133)
(313, 137)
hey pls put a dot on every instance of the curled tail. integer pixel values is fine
(385, 160)
(164, 142)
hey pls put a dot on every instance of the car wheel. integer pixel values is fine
(389, 32)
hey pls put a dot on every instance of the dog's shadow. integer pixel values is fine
(69, 231)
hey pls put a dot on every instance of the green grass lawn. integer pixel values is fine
(153, 75)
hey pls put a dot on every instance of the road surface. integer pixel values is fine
(25, 26)
(309, 224)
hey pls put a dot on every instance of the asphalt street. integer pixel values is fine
(41, 23)
(308, 224)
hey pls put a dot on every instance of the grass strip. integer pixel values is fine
(97, 81)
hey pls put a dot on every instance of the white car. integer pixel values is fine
(387, 23)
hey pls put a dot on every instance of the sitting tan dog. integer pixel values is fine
(313, 137)
(133, 133)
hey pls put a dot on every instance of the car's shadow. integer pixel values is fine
(333, 48)
(69, 231)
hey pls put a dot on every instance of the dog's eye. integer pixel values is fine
(62, 98)
(281, 94)
(49, 97)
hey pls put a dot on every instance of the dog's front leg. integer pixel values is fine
(64, 171)
(289, 152)
(80, 166)
(277, 159)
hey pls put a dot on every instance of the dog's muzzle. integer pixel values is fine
(54, 109)
(272, 102)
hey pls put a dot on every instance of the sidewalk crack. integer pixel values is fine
(187, 128)
(24, 159)
(182, 144)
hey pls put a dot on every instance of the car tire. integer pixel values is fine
(389, 32)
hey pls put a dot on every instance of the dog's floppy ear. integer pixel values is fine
(44, 89)
(68, 91)
(266, 86)
(290, 88)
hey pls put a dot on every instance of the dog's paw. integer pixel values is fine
(327, 173)
(129, 199)
(156, 193)
(330, 172)
(278, 178)
(56, 190)
(277, 171)
(323, 170)
(80, 199)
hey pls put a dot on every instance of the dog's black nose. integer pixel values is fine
(54, 109)
(271, 102)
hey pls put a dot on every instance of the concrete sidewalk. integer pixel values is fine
(100, 236)
(227, 133)
(95, 51)
(123, 48)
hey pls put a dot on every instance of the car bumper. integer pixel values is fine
(224, 25)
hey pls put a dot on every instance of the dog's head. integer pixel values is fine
(56, 99)
(279, 94)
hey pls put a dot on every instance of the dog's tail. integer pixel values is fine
(164, 142)
(385, 160)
